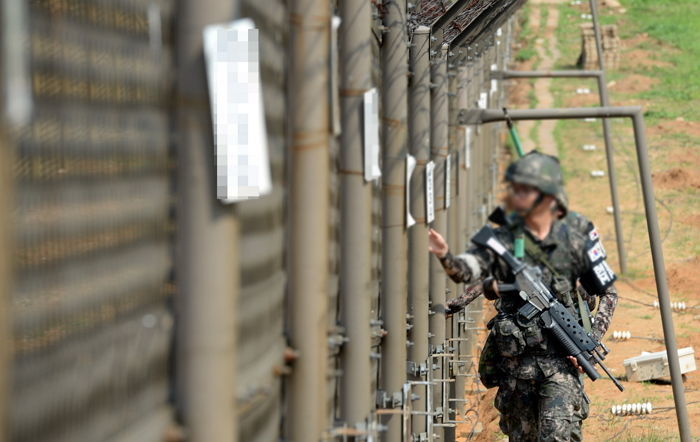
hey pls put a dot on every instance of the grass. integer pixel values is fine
(525, 54)
(544, 14)
(650, 435)
(535, 133)
(685, 140)
(676, 26)
(690, 327)
(568, 37)
(526, 37)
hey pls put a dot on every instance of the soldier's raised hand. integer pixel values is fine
(437, 244)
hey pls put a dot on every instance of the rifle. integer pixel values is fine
(554, 317)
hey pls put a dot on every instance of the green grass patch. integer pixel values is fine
(535, 134)
(544, 15)
(690, 327)
(568, 36)
(675, 30)
(525, 54)
(651, 435)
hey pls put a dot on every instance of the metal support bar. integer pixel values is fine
(482, 116)
(605, 102)
(309, 211)
(661, 280)
(599, 75)
(507, 75)
(207, 246)
(394, 64)
(355, 51)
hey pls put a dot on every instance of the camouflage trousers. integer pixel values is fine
(542, 410)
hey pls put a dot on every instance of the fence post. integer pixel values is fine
(355, 55)
(309, 209)
(394, 62)
(207, 246)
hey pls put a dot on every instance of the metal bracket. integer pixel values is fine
(389, 400)
(337, 340)
(415, 369)
(421, 437)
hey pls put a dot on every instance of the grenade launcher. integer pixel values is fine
(553, 316)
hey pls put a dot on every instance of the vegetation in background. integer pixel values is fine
(674, 28)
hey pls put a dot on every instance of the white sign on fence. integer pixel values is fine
(448, 182)
(410, 167)
(232, 57)
(371, 114)
(429, 193)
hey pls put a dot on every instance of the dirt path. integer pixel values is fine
(548, 53)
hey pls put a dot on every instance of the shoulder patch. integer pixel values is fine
(596, 252)
(593, 234)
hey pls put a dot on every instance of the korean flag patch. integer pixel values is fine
(593, 234)
(596, 252)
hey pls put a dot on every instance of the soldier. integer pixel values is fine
(540, 394)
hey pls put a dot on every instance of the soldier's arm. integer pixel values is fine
(466, 267)
(606, 308)
(608, 298)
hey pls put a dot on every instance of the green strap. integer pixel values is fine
(538, 254)
(519, 246)
(585, 312)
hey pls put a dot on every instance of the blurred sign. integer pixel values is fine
(15, 53)
(334, 83)
(429, 193)
(410, 167)
(371, 114)
(448, 182)
(232, 57)
(468, 147)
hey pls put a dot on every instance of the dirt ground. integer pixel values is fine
(676, 175)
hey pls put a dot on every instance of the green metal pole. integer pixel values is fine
(516, 140)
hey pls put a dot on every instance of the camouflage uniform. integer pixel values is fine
(540, 394)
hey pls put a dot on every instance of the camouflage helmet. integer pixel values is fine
(562, 201)
(542, 172)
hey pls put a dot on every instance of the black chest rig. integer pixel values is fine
(526, 248)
